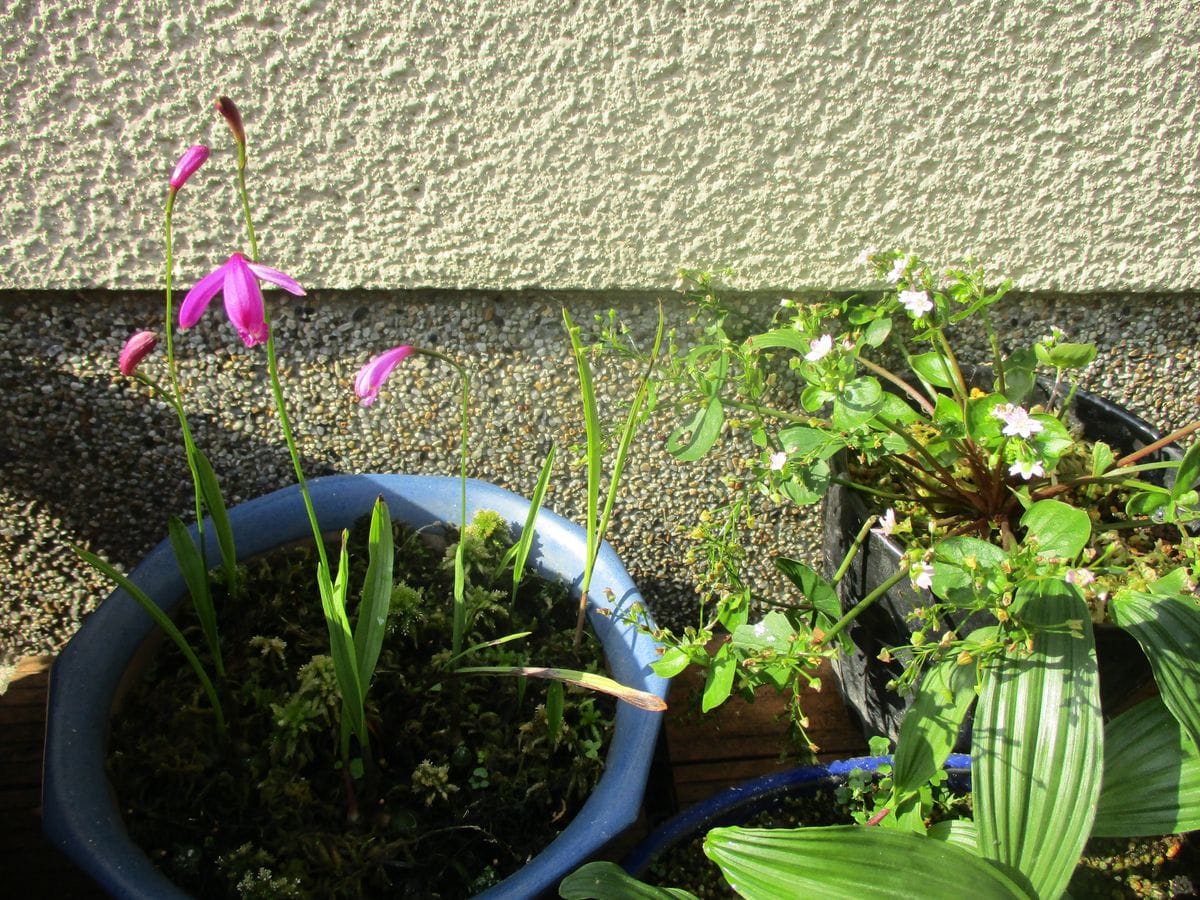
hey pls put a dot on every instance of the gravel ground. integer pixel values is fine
(88, 458)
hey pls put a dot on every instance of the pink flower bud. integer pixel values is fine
(192, 159)
(138, 347)
(230, 113)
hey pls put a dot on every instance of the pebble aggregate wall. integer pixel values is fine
(598, 145)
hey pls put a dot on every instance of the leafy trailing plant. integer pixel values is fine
(1004, 510)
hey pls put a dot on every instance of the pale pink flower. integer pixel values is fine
(140, 345)
(238, 280)
(819, 348)
(1080, 577)
(370, 377)
(922, 575)
(864, 256)
(898, 268)
(1017, 421)
(1027, 468)
(193, 158)
(916, 302)
(778, 460)
(887, 524)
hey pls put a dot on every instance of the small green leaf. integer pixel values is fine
(810, 443)
(932, 723)
(671, 663)
(518, 554)
(813, 397)
(808, 485)
(1065, 356)
(818, 591)
(608, 881)
(946, 411)
(966, 568)
(554, 710)
(779, 338)
(982, 424)
(376, 598)
(1151, 775)
(1102, 458)
(1168, 631)
(852, 862)
(1188, 473)
(691, 441)
(1059, 529)
(932, 368)
(877, 332)
(719, 682)
(856, 403)
(1147, 503)
(1019, 377)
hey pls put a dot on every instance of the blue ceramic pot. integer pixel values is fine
(735, 805)
(80, 814)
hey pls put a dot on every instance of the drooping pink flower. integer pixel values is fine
(140, 345)
(1080, 577)
(370, 378)
(238, 280)
(193, 158)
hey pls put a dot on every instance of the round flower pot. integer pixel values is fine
(80, 814)
(863, 678)
(735, 805)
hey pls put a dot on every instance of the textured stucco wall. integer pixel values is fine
(600, 145)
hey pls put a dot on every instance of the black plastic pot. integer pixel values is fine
(884, 625)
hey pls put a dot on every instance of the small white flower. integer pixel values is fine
(778, 460)
(864, 256)
(922, 575)
(848, 345)
(819, 348)
(1017, 421)
(1027, 468)
(785, 302)
(916, 302)
(1080, 577)
(898, 268)
(887, 523)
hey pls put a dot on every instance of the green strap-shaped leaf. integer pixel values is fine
(1188, 472)
(341, 642)
(371, 624)
(1151, 775)
(932, 723)
(853, 862)
(719, 681)
(1168, 630)
(215, 503)
(195, 575)
(608, 881)
(518, 554)
(960, 832)
(1037, 743)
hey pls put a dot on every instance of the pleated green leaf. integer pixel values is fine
(1168, 630)
(932, 723)
(341, 641)
(195, 575)
(1151, 775)
(960, 832)
(376, 600)
(1037, 743)
(214, 501)
(608, 881)
(854, 862)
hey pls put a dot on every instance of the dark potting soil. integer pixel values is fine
(464, 782)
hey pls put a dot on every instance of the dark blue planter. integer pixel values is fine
(735, 805)
(80, 814)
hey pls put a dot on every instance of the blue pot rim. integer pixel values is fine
(80, 815)
(708, 813)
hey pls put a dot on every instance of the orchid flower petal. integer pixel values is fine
(370, 378)
(191, 160)
(198, 297)
(244, 301)
(285, 281)
(140, 345)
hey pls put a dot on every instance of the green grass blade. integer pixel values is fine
(163, 621)
(1037, 743)
(371, 624)
(195, 574)
(854, 862)
(210, 488)
(1151, 775)
(1168, 630)
(589, 680)
(518, 554)
(595, 440)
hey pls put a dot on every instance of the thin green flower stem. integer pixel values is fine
(956, 371)
(899, 382)
(854, 548)
(867, 489)
(997, 354)
(780, 414)
(459, 623)
(937, 470)
(858, 608)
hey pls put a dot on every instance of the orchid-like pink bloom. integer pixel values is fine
(238, 278)
(193, 158)
(140, 345)
(370, 378)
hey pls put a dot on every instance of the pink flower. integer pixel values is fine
(778, 461)
(916, 302)
(1080, 577)
(238, 278)
(922, 575)
(819, 348)
(140, 345)
(1027, 469)
(887, 523)
(193, 158)
(1017, 421)
(370, 378)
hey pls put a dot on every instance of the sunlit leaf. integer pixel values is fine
(1059, 529)
(608, 881)
(691, 441)
(931, 725)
